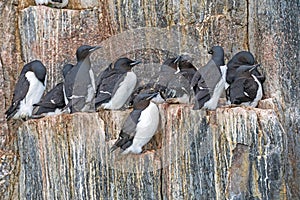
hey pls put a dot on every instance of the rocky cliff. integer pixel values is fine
(230, 153)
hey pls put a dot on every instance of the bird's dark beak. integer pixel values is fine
(245, 68)
(94, 48)
(135, 63)
(152, 95)
(177, 59)
(210, 51)
(254, 67)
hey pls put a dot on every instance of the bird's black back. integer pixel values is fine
(244, 83)
(108, 81)
(52, 100)
(207, 77)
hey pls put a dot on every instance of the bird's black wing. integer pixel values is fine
(103, 75)
(180, 85)
(243, 89)
(204, 82)
(52, 100)
(69, 81)
(250, 88)
(107, 84)
(120, 78)
(201, 94)
(151, 88)
(188, 74)
(128, 131)
(20, 92)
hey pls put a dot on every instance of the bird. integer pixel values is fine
(242, 66)
(140, 125)
(180, 83)
(186, 68)
(174, 79)
(242, 59)
(207, 82)
(175, 74)
(151, 88)
(79, 82)
(246, 88)
(115, 84)
(53, 102)
(53, 3)
(28, 90)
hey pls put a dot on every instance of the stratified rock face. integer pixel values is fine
(233, 153)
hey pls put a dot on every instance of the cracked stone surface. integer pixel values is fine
(230, 153)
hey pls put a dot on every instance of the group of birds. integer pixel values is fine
(178, 81)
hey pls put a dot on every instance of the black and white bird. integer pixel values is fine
(140, 126)
(79, 82)
(241, 60)
(186, 68)
(53, 102)
(53, 3)
(243, 80)
(28, 90)
(175, 75)
(115, 84)
(207, 82)
(246, 88)
(151, 88)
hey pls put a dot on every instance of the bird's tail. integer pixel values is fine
(12, 110)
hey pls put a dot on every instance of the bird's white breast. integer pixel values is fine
(125, 88)
(212, 103)
(40, 2)
(224, 71)
(91, 88)
(146, 128)
(34, 94)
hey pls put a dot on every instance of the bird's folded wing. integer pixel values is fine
(107, 85)
(20, 92)
(120, 78)
(237, 91)
(46, 104)
(211, 75)
(129, 126)
(69, 81)
(251, 87)
(128, 131)
(54, 98)
(21, 89)
(180, 84)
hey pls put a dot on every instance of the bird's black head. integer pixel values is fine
(184, 63)
(217, 55)
(125, 64)
(66, 69)
(37, 68)
(142, 100)
(84, 51)
(241, 58)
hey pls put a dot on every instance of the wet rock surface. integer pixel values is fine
(233, 153)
